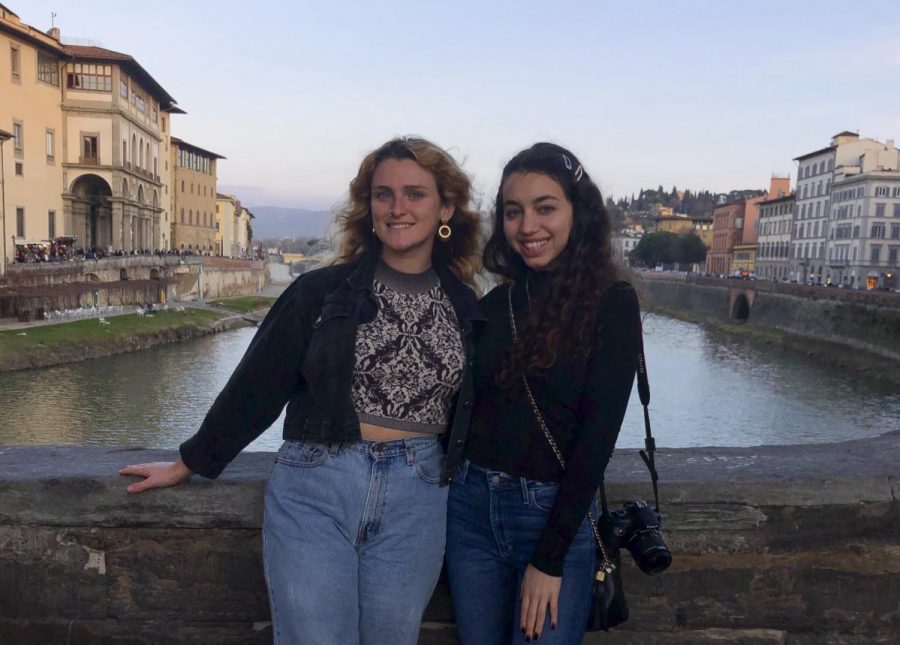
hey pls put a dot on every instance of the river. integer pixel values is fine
(708, 389)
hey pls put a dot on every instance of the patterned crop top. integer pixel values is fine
(410, 358)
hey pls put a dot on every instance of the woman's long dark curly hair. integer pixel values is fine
(579, 275)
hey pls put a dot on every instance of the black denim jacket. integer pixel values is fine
(303, 355)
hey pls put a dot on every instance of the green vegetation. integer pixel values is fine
(91, 332)
(244, 304)
(668, 248)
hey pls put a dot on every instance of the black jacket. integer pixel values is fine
(303, 355)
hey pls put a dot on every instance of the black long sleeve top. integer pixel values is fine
(583, 403)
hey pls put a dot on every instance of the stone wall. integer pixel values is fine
(794, 545)
(129, 280)
(869, 321)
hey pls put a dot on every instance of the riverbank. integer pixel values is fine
(46, 345)
(828, 353)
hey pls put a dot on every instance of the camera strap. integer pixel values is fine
(649, 442)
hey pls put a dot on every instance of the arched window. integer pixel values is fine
(133, 146)
(125, 188)
(141, 154)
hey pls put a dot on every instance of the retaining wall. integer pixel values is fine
(795, 545)
(869, 321)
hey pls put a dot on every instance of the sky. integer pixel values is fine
(715, 95)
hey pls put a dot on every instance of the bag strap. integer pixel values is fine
(605, 565)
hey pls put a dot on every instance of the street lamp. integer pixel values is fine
(4, 137)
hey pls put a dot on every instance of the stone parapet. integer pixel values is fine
(777, 544)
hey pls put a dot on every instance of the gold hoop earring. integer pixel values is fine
(444, 232)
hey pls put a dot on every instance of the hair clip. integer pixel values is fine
(579, 171)
(568, 162)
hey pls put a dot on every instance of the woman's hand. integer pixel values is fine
(158, 474)
(538, 591)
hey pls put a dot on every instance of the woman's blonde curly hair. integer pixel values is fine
(354, 221)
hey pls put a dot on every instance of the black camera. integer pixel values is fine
(636, 527)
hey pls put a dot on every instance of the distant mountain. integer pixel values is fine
(278, 222)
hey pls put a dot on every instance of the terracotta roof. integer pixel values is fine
(83, 52)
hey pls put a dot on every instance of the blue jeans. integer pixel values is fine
(493, 524)
(353, 540)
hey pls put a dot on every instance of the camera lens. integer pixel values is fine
(656, 560)
(650, 552)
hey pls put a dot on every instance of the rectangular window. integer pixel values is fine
(20, 222)
(20, 169)
(51, 224)
(138, 102)
(878, 231)
(123, 88)
(89, 149)
(89, 76)
(879, 210)
(18, 137)
(896, 210)
(15, 61)
(881, 191)
(892, 255)
(48, 69)
(51, 145)
(875, 254)
(895, 231)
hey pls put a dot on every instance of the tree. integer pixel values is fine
(692, 249)
(663, 247)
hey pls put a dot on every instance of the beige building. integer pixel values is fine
(228, 207)
(680, 223)
(89, 160)
(234, 229)
(30, 90)
(193, 198)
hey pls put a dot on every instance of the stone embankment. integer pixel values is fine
(82, 349)
(774, 545)
(844, 328)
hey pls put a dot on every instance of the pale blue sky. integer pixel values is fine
(705, 94)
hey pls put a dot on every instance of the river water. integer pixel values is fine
(708, 389)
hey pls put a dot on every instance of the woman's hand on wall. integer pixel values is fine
(158, 474)
(539, 591)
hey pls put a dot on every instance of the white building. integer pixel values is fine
(773, 247)
(623, 243)
(864, 227)
(815, 175)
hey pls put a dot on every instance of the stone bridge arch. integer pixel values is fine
(740, 303)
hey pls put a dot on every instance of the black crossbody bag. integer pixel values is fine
(635, 526)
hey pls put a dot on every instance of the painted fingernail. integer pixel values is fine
(528, 639)
(552, 625)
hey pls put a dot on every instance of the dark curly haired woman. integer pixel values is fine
(520, 550)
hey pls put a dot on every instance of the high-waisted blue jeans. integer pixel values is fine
(493, 524)
(353, 540)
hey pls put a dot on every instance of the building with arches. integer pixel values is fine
(90, 156)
